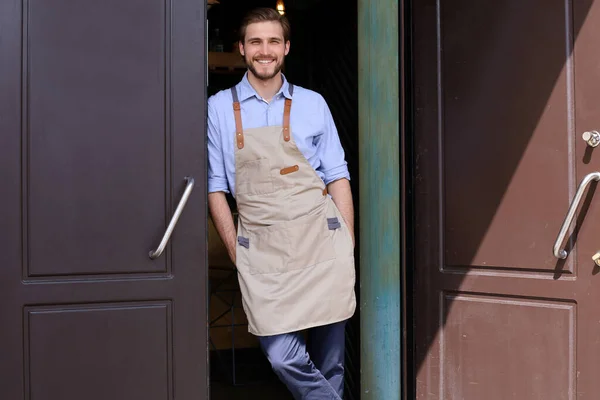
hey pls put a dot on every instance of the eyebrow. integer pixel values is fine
(271, 38)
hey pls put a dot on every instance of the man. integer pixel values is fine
(294, 244)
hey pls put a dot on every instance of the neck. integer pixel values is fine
(266, 88)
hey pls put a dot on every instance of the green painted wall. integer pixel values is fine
(379, 213)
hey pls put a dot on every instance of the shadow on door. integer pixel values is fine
(502, 91)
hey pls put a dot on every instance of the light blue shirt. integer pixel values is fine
(311, 123)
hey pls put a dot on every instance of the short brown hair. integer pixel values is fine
(264, 15)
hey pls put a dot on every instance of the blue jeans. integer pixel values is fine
(317, 374)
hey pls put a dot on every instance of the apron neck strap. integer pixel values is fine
(286, 114)
(237, 113)
(239, 131)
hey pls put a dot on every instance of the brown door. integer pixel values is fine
(503, 93)
(102, 116)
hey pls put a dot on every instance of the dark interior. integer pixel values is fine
(323, 57)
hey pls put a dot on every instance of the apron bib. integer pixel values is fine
(294, 255)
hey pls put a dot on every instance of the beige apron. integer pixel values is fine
(294, 256)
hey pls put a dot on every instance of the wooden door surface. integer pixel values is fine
(503, 91)
(102, 118)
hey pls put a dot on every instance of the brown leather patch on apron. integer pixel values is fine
(289, 170)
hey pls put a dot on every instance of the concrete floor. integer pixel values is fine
(253, 376)
(265, 391)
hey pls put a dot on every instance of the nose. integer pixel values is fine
(264, 48)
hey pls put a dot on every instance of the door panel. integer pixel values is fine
(86, 334)
(502, 92)
(96, 120)
(506, 348)
(103, 116)
(506, 117)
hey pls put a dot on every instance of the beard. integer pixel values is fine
(264, 76)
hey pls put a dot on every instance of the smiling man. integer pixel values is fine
(294, 244)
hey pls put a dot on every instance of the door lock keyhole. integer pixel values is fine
(596, 258)
(592, 138)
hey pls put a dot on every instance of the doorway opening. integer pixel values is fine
(323, 57)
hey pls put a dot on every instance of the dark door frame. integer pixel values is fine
(384, 188)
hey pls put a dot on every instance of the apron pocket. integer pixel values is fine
(290, 246)
(333, 223)
(244, 242)
(254, 177)
(341, 239)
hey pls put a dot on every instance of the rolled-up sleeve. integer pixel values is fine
(333, 164)
(217, 178)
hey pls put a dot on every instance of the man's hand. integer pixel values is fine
(342, 197)
(223, 220)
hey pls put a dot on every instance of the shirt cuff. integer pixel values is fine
(217, 185)
(335, 174)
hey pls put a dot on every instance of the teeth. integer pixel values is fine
(264, 61)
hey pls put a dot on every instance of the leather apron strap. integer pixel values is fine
(239, 131)
(237, 113)
(286, 116)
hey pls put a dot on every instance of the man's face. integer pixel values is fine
(264, 49)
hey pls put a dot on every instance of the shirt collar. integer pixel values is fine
(245, 89)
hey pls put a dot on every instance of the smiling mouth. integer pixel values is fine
(265, 62)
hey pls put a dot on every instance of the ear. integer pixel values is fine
(287, 47)
(241, 48)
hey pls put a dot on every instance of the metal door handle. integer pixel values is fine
(154, 254)
(558, 252)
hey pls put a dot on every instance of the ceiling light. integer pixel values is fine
(280, 7)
